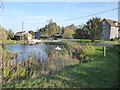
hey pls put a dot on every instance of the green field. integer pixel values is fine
(102, 72)
(89, 41)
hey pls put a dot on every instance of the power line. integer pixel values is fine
(76, 17)
(34, 23)
(88, 15)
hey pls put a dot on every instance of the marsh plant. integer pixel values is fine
(69, 55)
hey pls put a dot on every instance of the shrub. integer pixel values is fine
(81, 52)
(113, 39)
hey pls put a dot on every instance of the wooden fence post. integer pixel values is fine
(104, 51)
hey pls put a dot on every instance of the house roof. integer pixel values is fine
(112, 22)
(21, 33)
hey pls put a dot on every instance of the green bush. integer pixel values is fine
(81, 52)
(113, 39)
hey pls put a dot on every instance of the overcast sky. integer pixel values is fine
(36, 14)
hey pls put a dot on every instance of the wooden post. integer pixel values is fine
(104, 51)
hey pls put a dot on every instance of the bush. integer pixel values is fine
(113, 39)
(81, 52)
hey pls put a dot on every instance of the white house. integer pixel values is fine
(20, 35)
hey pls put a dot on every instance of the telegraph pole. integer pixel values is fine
(22, 31)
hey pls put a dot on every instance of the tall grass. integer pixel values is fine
(71, 54)
(101, 73)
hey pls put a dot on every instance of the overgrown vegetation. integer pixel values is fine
(101, 73)
(71, 54)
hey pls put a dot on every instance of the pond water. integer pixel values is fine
(25, 50)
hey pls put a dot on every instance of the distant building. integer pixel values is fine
(110, 29)
(37, 35)
(22, 36)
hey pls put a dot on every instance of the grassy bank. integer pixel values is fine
(102, 72)
(72, 53)
(89, 41)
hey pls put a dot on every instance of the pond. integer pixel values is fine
(25, 50)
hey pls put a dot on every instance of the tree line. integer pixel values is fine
(91, 30)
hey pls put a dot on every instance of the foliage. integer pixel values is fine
(93, 28)
(73, 27)
(19, 70)
(81, 52)
(31, 32)
(68, 32)
(71, 51)
(3, 34)
(113, 39)
(10, 34)
(100, 73)
(44, 30)
(50, 30)
(8, 55)
(79, 34)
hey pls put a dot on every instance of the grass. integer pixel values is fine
(102, 72)
(89, 41)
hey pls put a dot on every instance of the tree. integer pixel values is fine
(73, 27)
(68, 33)
(3, 35)
(10, 34)
(31, 32)
(52, 29)
(44, 30)
(79, 34)
(93, 28)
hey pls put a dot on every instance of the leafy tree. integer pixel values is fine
(31, 32)
(93, 28)
(73, 27)
(52, 28)
(3, 34)
(79, 34)
(68, 32)
(10, 34)
(44, 31)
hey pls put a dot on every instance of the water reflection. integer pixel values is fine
(36, 51)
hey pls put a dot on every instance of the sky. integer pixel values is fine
(35, 15)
